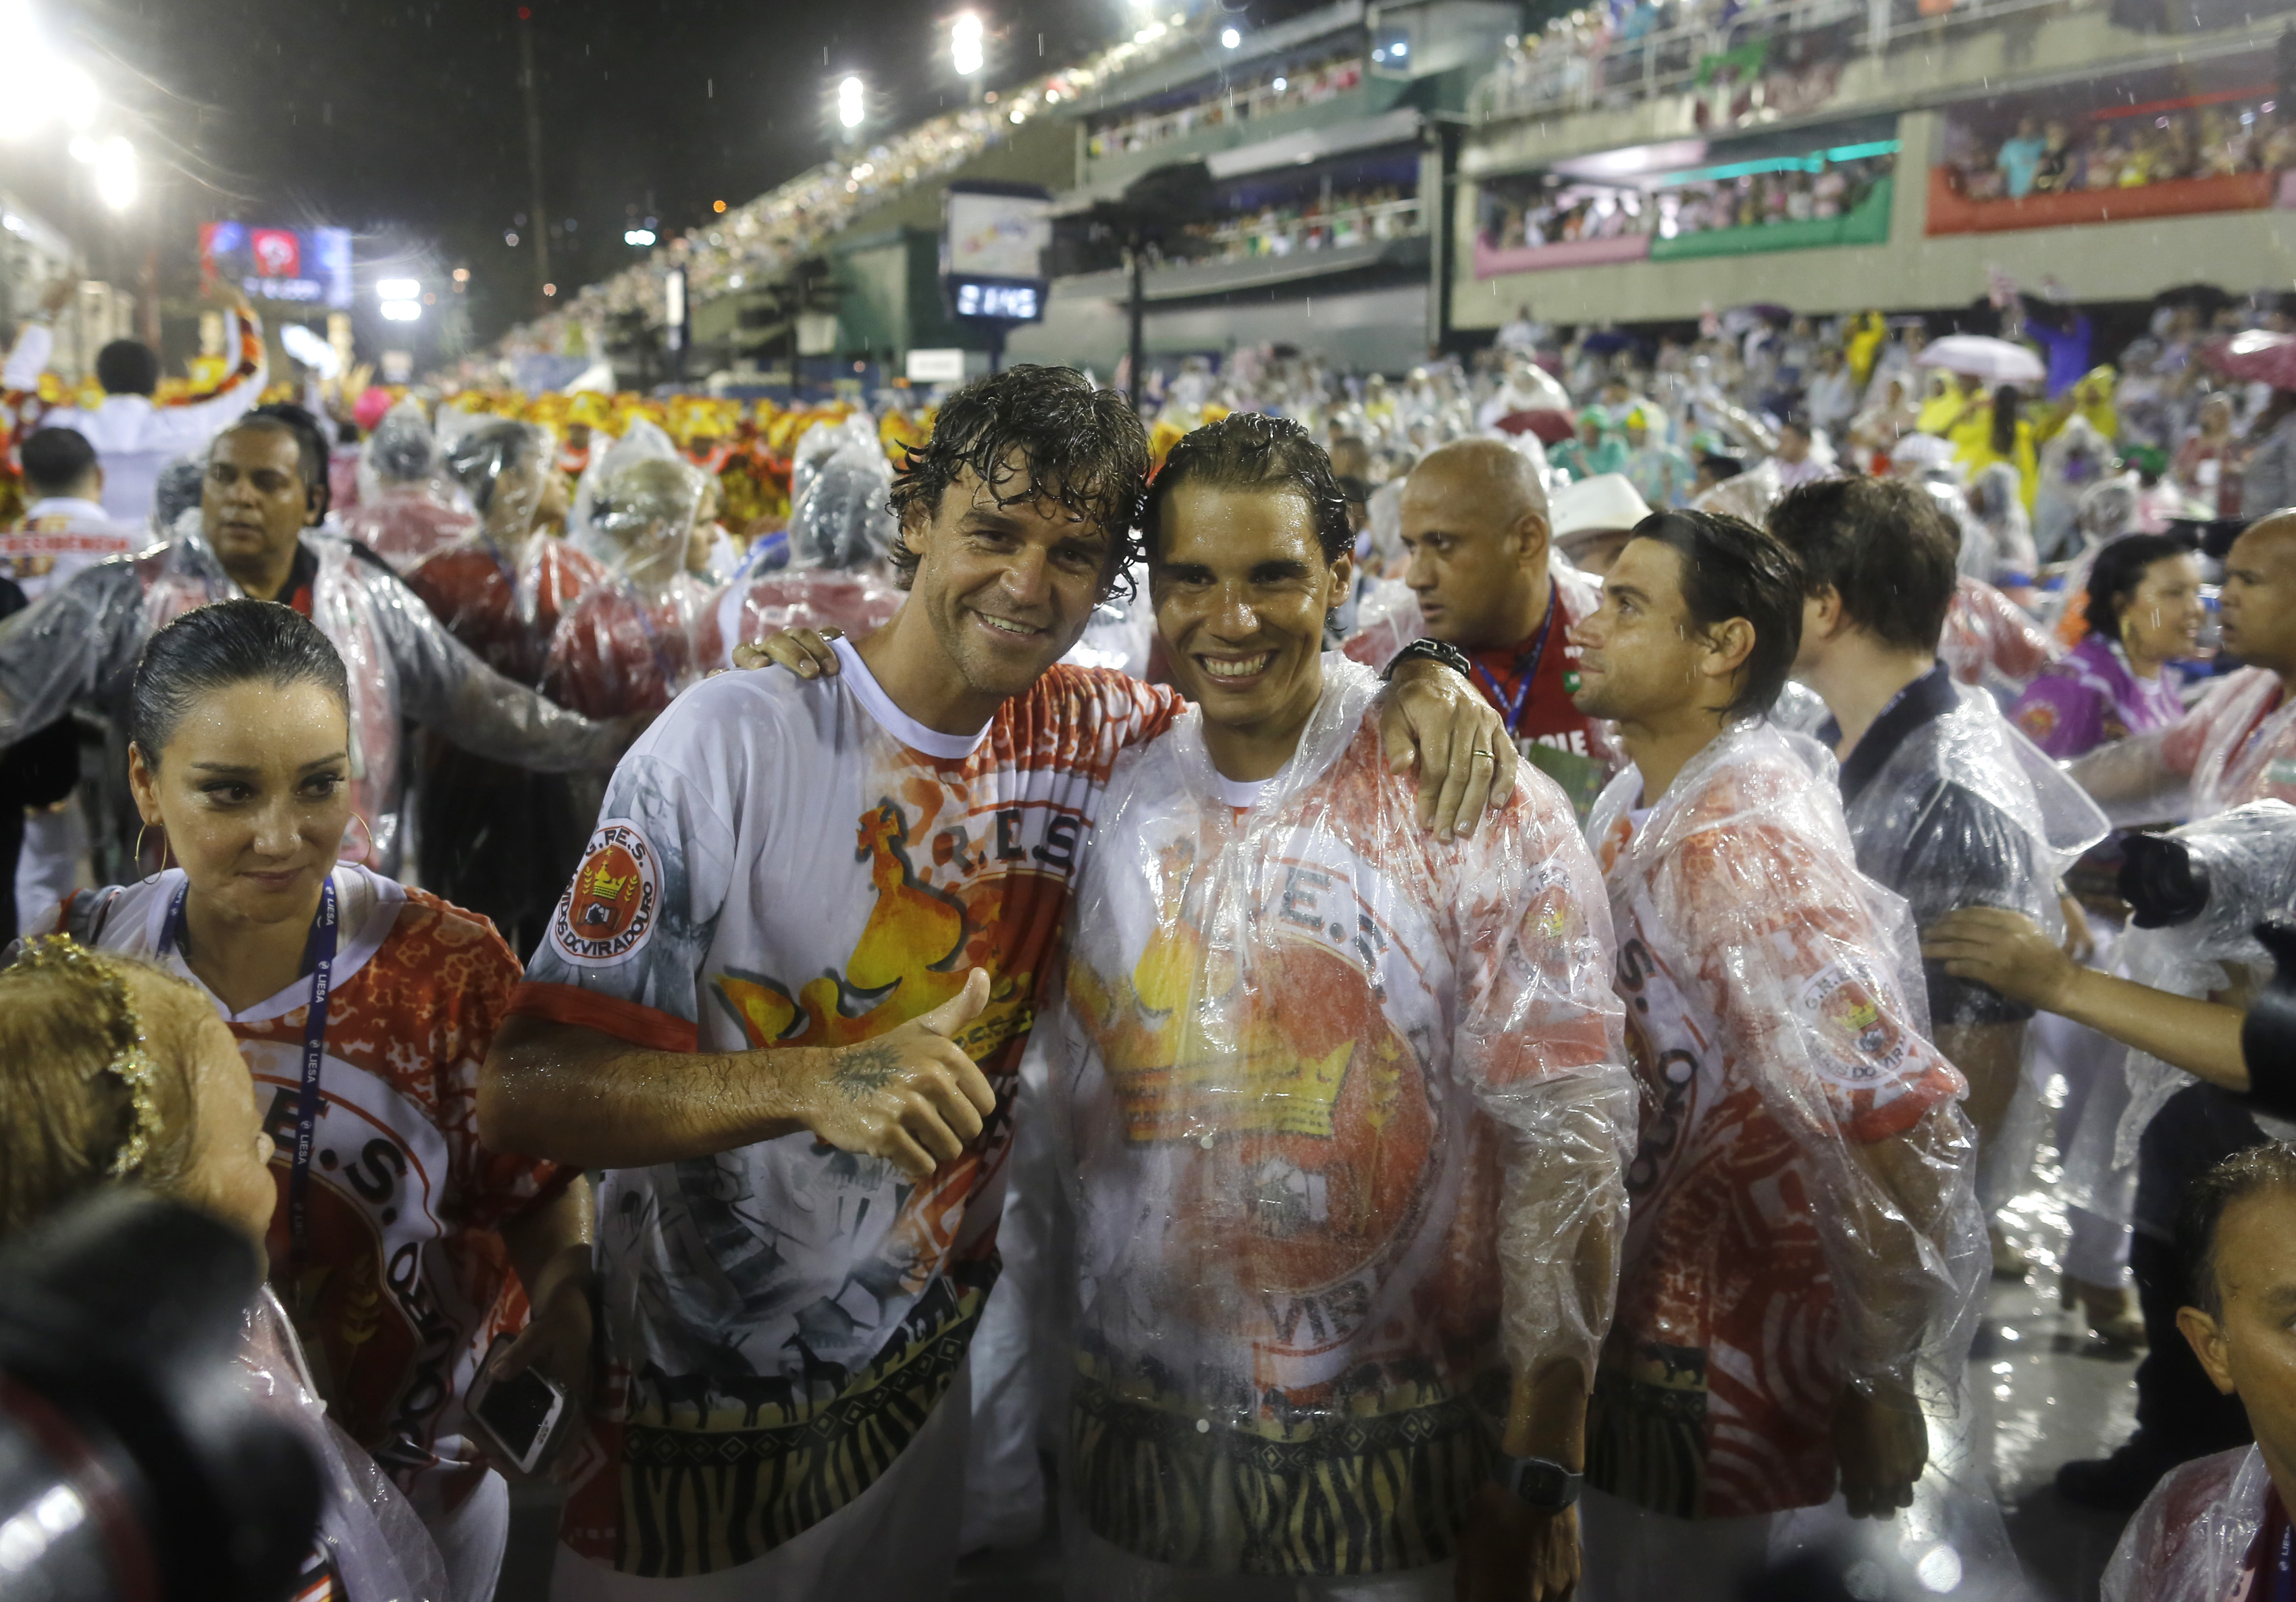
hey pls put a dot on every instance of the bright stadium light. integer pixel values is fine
(965, 43)
(70, 94)
(399, 289)
(115, 174)
(401, 311)
(848, 102)
(1230, 38)
(637, 236)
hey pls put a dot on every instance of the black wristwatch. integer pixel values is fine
(1537, 1481)
(1434, 651)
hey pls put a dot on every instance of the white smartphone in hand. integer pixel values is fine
(515, 1417)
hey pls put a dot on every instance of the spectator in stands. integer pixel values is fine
(1831, 398)
(1796, 460)
(2269, 482)
(2019, 159)
(2204, 465)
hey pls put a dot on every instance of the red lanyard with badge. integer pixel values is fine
(321, 953)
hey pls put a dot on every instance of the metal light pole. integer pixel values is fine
(533, 147)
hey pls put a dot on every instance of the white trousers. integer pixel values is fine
(1017, 1394)
(896, 1540)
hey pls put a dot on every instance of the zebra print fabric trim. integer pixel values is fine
(1332, 1494)
(699, 1501)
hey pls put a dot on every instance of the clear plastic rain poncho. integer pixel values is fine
(2075, 459)
(644, 441)
(79, 643)
(2236, 745)
(409, 505)
(626, 644)
(2250, 858)
(502, 588)
(1991, 640)
(2190, 1541)
(1996, 498)
(1777, 1014)
(496, 838)
(1967, 812)
(841, 527)
(1342, 1111)
(1749, 495)
(369, 1534)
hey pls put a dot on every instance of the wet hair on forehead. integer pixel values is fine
(1731, 569)
(1251, 452)
(215, 647)
(2200, 1216)
(1034, 436)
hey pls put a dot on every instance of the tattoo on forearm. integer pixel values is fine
(864, 1069)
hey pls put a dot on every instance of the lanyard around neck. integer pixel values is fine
(1513, 706)
(322, 951)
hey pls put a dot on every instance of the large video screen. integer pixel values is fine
(307, 267)
(996, 235)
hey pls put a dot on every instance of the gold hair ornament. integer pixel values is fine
(131, 1062)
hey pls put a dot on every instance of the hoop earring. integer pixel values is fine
(153, 877)
(366, 849)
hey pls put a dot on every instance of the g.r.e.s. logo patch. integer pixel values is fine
(608, 913)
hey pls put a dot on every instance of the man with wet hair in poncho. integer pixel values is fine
(1948, 804)
(782, 1002)
(1344, 1112)
(1803, 1253)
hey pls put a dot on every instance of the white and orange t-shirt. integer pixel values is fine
(59, 536)
(1297, 1034)
(1769, 1017)
(781, 862)
(406, 1280)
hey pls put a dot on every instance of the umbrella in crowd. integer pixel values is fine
(1981, 356)
(2255, 357)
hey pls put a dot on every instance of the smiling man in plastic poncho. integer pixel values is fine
(1804, 1251)
(1345, 1107)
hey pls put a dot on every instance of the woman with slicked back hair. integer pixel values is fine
(362, 1010)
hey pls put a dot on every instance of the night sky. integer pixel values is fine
(404, 119)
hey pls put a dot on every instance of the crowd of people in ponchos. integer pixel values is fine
(1275, 90)
(519, 606)
(1365, 215)
(2066, 155)
(1750, 200)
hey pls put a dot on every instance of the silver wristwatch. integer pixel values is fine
(1539, 1482)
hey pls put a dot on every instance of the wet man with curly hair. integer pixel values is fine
(782, 1006)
